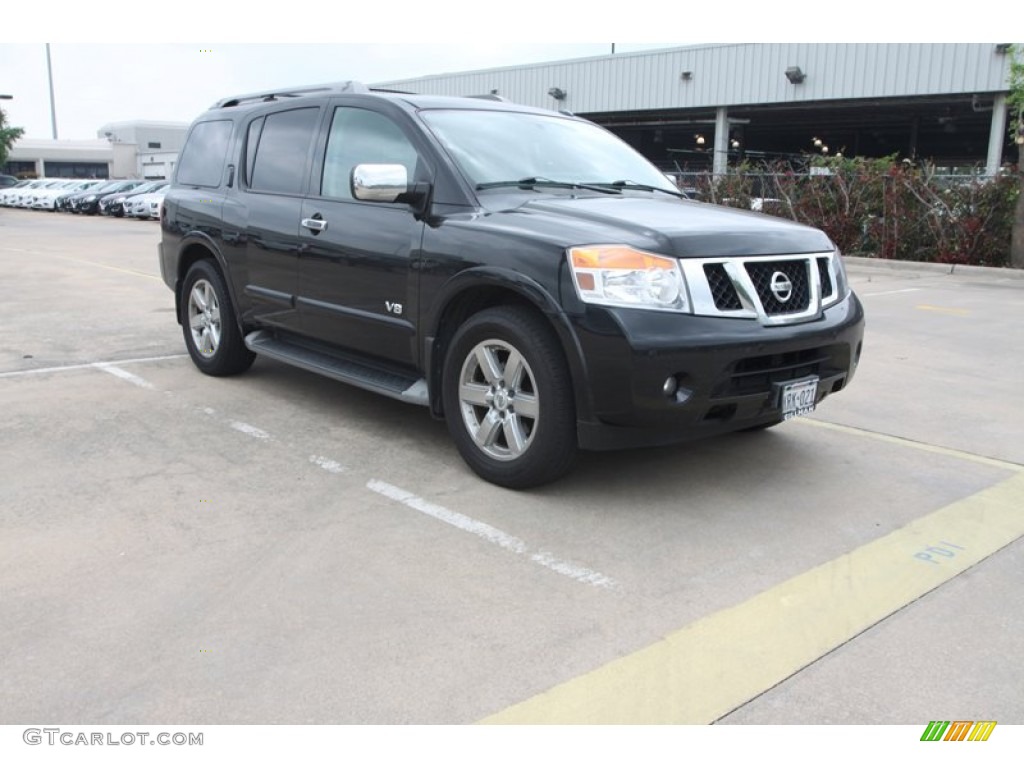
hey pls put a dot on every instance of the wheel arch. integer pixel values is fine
(476, 289)
(197, 247)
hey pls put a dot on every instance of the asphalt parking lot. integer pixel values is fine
(280, 548)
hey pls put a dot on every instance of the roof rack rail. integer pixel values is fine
(488, 97)
(347, 86)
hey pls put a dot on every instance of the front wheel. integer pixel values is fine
(212, 336)
(508, 398)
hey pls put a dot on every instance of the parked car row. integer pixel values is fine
(131, 197)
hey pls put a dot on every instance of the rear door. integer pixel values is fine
(265, 216)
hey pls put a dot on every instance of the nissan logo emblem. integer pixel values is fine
(781, 286)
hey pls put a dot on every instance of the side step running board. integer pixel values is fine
(401, 387)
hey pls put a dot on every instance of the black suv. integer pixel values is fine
(524, 274)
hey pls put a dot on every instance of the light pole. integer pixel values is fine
(53, 108)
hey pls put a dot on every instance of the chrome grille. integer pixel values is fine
(824, 277)
(722, 289)
(740, 287)
(762, 274)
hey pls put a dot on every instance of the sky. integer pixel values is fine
(141, 64)
(96, 84)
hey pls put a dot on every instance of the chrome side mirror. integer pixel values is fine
(379, 183)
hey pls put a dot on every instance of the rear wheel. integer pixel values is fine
(508, 398)
(212, 336)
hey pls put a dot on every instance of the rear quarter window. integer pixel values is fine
(202, 159)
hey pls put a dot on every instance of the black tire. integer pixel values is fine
(516, 433)
(209, 325)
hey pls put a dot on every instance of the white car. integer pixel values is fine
(8, 194)
(13, 195)
(146, 206)
(24, 200)
(44, 198)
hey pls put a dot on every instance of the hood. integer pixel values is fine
(681, 228)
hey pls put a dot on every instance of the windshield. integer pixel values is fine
(493, 147)
(149, 186)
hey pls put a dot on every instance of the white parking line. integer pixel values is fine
(329, 464)
(886, 293)
(483, 530)
(491, 534)
(82, 366)
(123, 374)
(250, 430)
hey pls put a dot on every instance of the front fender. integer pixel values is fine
(463, 285)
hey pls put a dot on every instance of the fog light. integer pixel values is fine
(683, 394)
(670, 386)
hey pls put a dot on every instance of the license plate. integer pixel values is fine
(798, 398)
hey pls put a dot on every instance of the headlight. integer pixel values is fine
(89, 198)
(621, 276)
(842, 283)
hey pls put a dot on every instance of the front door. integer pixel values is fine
(357, 276)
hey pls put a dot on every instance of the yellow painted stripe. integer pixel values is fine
(126, 270)
(707, 669)
(906, 443)
(944, 310)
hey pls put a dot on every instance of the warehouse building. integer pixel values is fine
(712, 106)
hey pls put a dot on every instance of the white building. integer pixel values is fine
(139, 149)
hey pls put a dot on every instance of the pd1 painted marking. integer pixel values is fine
(929, 554)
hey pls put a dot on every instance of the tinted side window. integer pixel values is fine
(361, 136)
(202, 159)
(280, 164)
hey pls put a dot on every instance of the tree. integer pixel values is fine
(1015, 102)
(8, 136)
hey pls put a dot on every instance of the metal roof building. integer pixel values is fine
(709, 104)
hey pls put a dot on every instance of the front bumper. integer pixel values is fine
(728, 371)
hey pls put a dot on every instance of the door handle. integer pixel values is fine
(317, 225)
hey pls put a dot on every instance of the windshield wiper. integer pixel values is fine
(532, 182)
(624, 184)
